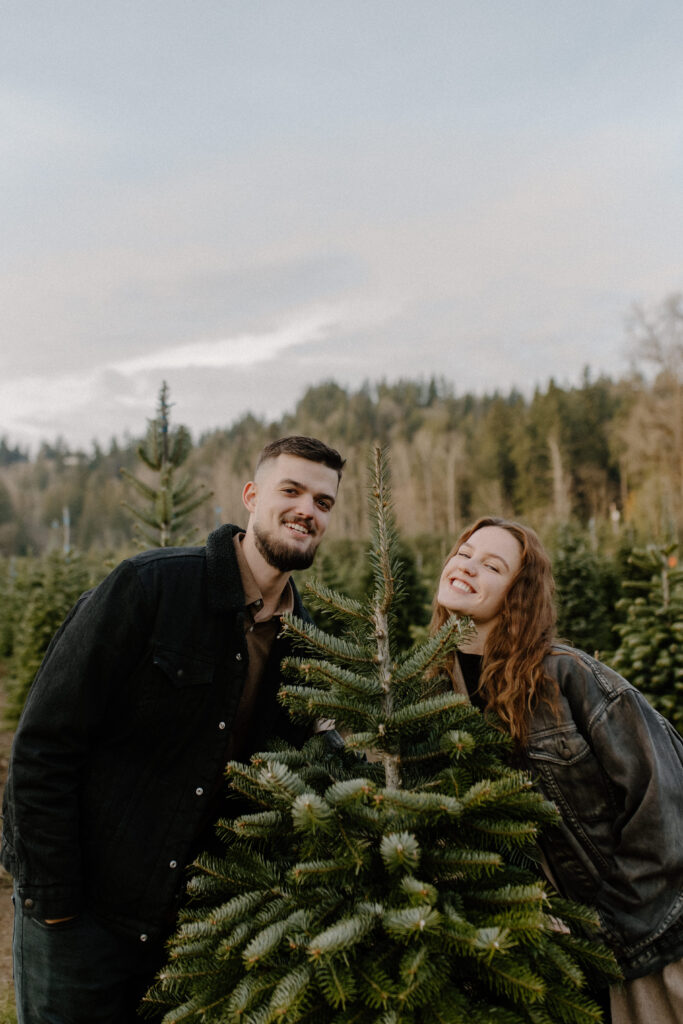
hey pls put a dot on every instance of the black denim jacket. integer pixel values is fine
(614, 768)
(124, 737)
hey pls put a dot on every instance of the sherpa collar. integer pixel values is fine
(224, 581)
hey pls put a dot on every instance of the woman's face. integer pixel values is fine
(477, 577)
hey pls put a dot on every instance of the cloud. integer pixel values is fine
(242, 350)
(212, 376)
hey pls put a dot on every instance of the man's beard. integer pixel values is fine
(280, 555)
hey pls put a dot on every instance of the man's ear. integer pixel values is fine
(249, 496)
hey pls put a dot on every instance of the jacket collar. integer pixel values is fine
(224, 581)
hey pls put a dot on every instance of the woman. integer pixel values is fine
(611, 764)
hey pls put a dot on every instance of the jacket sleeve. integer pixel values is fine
(68, 710)
(642, 755)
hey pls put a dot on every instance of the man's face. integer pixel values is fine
(290, 503)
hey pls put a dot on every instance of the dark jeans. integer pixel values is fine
(79, 972)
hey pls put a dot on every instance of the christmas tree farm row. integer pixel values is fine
(626, 605)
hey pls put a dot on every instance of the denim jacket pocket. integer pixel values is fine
(182, 668)
(571, 776)
(171, 685)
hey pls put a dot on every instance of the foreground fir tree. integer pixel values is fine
(394, 889)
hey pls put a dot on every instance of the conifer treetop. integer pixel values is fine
(168, 505)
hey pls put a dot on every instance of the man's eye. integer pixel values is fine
(324, 505)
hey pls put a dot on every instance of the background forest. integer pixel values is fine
(596, 469)
(606, 456)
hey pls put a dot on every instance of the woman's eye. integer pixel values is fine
(493, 568)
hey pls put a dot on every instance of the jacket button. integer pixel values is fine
(221, 725)
(199, 791)
(238, 656)
(28, 903)
(173, 864)
(180, 673)
(143, 938)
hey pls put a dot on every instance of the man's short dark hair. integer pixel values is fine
(305, 448)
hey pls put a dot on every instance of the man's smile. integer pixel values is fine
(296, 526)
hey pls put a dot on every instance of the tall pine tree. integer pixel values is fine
(169, 504)
(395, 889)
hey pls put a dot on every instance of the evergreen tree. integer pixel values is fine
(344, 567)
(395, 889)
(340, 568)
(411, 609)
(583, 580)
(651, 651)
(164, 451)
(41, 598)
(8, 605)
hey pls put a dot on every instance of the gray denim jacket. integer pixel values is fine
(614, 768)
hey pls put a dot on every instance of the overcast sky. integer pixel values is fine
(246, 197)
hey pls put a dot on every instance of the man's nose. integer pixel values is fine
(305, 506)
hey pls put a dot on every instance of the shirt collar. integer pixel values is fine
(253, 598)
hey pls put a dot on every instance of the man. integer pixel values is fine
(164, 672)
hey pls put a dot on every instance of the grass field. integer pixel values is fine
(7, 1014)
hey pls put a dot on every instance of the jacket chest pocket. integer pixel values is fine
(172, 687)
(182, 669)
(570, 771)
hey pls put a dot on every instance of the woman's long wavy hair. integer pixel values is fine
(512, 679)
